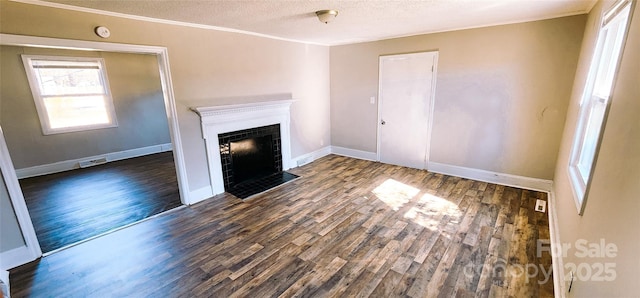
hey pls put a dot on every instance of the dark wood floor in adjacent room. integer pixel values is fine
(76, 205)
(346, 228)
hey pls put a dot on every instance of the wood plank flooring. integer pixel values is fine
(76, 205)
(346, 228)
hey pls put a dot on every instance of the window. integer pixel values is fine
(596, 99)
(71, 94)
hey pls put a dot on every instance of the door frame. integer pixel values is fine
(162, 55)
(432, 100)
(31, 250)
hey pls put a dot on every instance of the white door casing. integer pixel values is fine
(166, 83)
(162, 55)
(31, 250)
(405, 108)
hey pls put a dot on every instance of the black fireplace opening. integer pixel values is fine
(252, 160)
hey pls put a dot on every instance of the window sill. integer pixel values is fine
(48, 131)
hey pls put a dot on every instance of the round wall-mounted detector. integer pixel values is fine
(103, 31)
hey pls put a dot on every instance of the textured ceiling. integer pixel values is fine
(358, 20)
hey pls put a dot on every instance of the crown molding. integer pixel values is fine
(158, 21)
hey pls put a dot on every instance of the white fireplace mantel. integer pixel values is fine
(216, 120)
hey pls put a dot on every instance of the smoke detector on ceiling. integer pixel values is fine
(326, 16)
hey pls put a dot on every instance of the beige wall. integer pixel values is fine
(612, 209)
(137, 97)
(208, 68)
(501, 93)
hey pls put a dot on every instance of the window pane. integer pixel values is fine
(71, 93)
(610, 55)
(69, 81)
(591, 134)
(74, 111)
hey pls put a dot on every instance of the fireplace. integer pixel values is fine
(249, 154)
(252, 160)
(248, 145)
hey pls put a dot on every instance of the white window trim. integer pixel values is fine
(39, 101)
(580, 187)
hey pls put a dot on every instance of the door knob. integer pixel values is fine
(383, 122)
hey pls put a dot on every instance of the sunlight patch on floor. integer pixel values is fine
(430, 210)
(394, 193)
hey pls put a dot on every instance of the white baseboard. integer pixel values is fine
(491, 177)
(559, 286)
(74, 163)
(16, 257)
(354, 153)
(469, 173)
(200, 195)
(310, 157)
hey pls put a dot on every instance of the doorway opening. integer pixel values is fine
(149, 163)
(85, 180)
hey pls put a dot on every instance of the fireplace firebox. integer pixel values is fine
(252, 160)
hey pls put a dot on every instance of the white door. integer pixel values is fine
(404, 108)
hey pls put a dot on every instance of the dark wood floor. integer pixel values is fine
(76, 205)
(347, 228)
